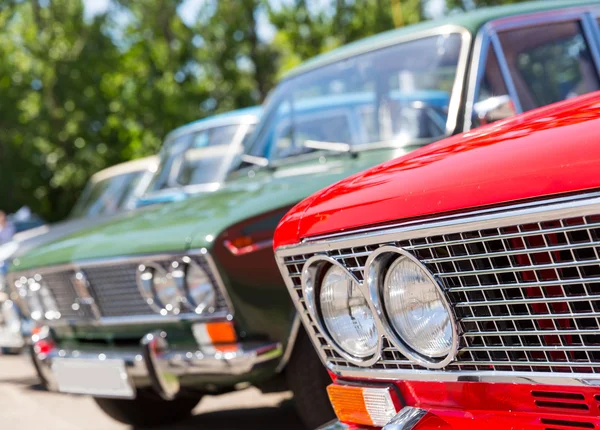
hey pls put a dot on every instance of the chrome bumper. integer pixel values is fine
(164, 367)
(406, 419)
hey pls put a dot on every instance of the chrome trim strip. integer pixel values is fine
(469, 212)
(406, 419)
(138, 319)
(481, 47)
(534, 378)
(551, 209)
(459, 83)
(542, 210)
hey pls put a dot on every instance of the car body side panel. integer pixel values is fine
(511, 160)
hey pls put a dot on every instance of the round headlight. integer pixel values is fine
(167, 291)
(160, 288)
(417, 310)
(346, 314)
(200, 289)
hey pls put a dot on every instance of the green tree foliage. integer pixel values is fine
(78, 95)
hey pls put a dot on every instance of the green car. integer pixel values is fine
(151, 311)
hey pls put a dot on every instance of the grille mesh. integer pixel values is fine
(526, 297)
(114, 288)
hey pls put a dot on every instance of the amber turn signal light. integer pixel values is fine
(222, 335)
(369, 406)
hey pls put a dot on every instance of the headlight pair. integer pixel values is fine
(38, 298)
(183, 286)
(398, 298)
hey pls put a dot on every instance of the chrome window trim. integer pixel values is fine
(486, 34)
(538, 211)
(138, 319)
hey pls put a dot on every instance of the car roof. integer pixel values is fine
(128, 167)
(471, 21)
(254, 111)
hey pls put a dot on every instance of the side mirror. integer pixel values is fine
(494, 109)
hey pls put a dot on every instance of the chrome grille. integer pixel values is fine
(526, 295)
(115, 290)
(62, 289)
(113, 286)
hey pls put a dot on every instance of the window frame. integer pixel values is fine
(487, 37)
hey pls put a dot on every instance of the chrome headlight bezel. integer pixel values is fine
(377, 267)
(146, 281)
(312, 275)
(198, 306)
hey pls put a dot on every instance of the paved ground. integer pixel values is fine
(24, 405)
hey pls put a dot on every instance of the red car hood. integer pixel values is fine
(552, 150)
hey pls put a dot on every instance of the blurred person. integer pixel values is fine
(7, 229)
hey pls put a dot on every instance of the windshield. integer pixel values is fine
(108, 195)
(393, 96)
(201, 157)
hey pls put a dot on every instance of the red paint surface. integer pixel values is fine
(548, 151)
(476, 405)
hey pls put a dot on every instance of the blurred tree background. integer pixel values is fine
(80, 92)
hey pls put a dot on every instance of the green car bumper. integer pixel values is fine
(154, 363)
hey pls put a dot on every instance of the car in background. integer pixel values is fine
(107, 192)
(23, 220)
(196, 158)
(186, 299)
(457, 287)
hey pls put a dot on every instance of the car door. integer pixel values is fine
(533, 61)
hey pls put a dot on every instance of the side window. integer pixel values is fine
(492, 102)
(549, 63)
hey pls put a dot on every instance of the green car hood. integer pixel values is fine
(194, 223)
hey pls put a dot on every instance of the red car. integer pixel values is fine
(458, 287)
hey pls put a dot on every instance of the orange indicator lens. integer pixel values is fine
(362, 405)
(222, 335)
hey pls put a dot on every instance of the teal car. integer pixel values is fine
(185, 299)
(196, 157)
